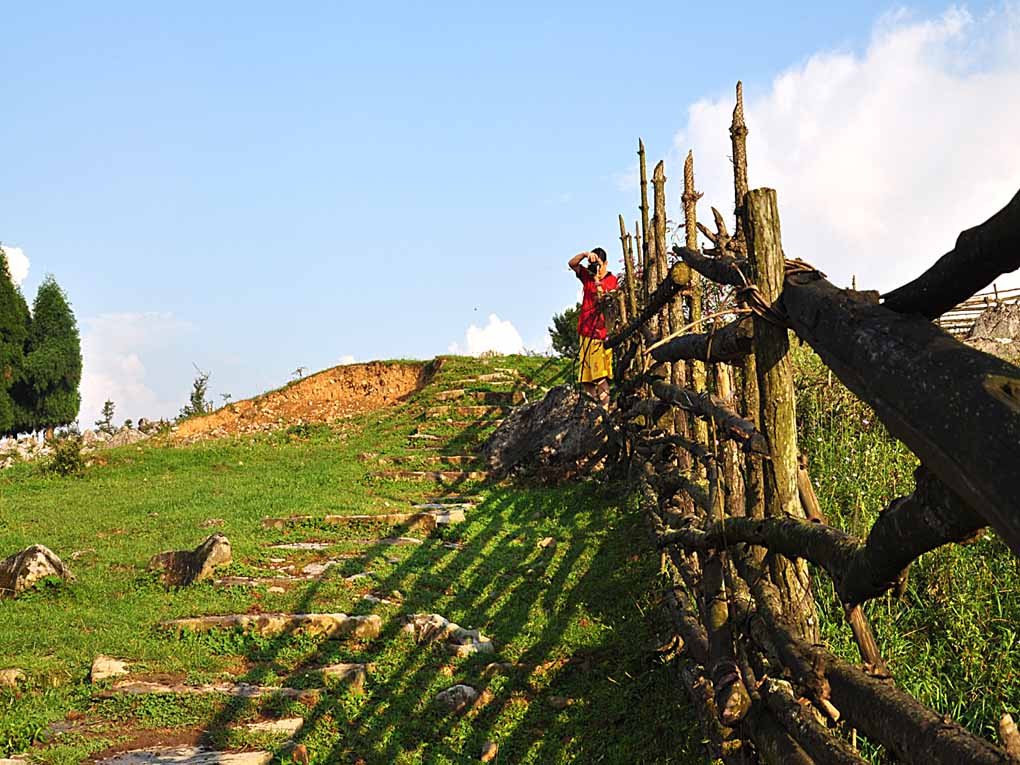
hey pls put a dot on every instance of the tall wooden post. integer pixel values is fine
(777, 407)
(628, 269)
(754, 502)
(695, 369)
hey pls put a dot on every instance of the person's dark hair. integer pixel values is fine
(601, 253)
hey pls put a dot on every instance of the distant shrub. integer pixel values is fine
(197, 404)
(67, 459)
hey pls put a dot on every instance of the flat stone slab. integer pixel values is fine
(442, 412)
(187, 755)
(331, 625)
(240, 690)
(288, 726)
(432, 459)
(105, 667)
(302, 546)
(427, 520)
(433, 475)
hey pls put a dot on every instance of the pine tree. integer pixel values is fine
(105, 421)
(14, 327)
(53, 359)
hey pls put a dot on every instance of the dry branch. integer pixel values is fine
(860, 569)
(878, 709)
(722, 269)
(981, 255)
(729, 343)
(675, 281)
(708, 407)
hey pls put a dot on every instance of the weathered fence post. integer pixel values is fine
(695, 369)
(777, 408)
(754, 503)
(649, 263)
(628, 269)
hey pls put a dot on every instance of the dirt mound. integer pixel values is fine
(324, 397)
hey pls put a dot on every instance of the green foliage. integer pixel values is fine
(14, 328)
(197, 403)
(105, 422)
(52, 361)
(67, 459)
(563, 332)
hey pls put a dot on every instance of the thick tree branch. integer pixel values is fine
(956, 408)
(723, 269)
(913, 525)
(981, 255)
(729, 343)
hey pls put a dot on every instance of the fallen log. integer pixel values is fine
(981, 255)
(731, 342)
(956, 408)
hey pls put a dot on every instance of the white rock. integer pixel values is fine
(288, 726)
(105, 667)
(187, 755)
(11, 678)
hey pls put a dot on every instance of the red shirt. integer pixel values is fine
(590, 321)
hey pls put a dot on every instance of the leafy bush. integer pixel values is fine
(67, 459)
(563, 332)
(197, 403)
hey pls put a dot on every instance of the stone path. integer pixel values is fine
(427, 514)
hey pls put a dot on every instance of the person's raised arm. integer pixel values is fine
(575, 262)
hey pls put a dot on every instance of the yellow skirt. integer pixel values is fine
(595, 361)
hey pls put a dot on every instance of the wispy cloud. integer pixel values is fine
(880, 158)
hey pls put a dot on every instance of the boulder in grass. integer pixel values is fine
(458, 698)
(183, 567)
(105, 667)
(25, 569)
(11, 678)
(554, 439)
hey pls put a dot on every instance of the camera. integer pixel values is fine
(593, 268)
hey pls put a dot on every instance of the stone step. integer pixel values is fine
(426, 520)
(491, 397)
(428, 459)
(268, 625)
(443, 476)
(288, 726)
(442, 412)
(186, 755)
(478, 424)
(317, 545)
(240, 690)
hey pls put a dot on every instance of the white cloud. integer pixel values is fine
(17, 261)
(347, 359)
(498, 335)
(880, 158)
(114, 349)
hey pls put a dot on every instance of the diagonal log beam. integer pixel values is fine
(860, 569)
(708, 407)
(723, 269)
(911, 731)
(981, 255)
(956, 408)
(731, 342)
(676, 280)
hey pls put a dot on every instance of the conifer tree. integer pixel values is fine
(14, 327)
(52, 359)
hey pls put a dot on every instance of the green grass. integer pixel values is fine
(579, 620)
(950, 641)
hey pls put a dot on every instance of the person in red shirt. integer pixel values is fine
(595, 362)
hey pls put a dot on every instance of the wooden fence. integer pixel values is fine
(705, 423)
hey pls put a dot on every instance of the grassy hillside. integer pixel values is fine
(577, 619)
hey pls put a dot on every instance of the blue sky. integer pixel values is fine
(252, 187)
